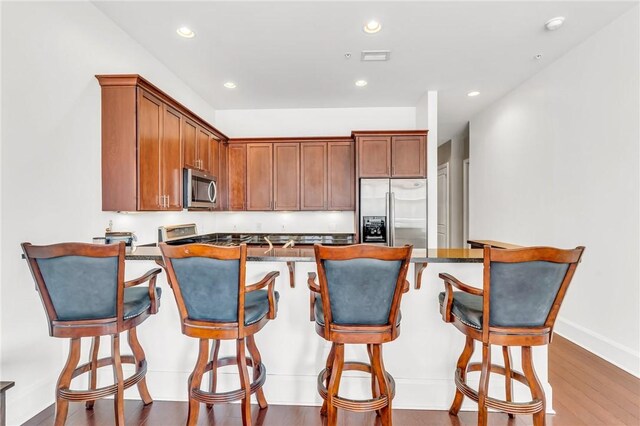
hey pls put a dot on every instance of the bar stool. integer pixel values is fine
(357, 301)
(521, 296)
(84, 294)
(208, 283)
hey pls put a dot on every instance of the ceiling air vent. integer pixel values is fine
(375, 55)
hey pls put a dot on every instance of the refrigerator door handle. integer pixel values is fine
(392, 218)
(387, 235)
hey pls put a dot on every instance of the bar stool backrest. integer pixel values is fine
(526, 286)
(78, 281)
(362, 284)
(208, 281)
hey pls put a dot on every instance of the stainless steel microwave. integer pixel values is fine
(200, 190)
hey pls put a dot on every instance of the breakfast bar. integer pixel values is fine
(422, 360)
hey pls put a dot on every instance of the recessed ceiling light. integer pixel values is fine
(554, 23)
(185, 32)
(361, 83)
(474, 93)
(372, 27)
(230, 85)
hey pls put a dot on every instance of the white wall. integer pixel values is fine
(303, 122)
(51, 166)
(555, 162)
(427, 118)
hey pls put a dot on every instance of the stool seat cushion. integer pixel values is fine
(466, 307)
(136, 301)
(319, 311)
(256, 305)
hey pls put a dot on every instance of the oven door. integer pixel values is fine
(201, 191)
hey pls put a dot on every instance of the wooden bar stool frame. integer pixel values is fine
(95, 328)
(525, 337)
(382, 383)
(217, 331)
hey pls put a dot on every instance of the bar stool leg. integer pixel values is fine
(64, 381)
(245, 383)
(484, 384)
(213, 379)
(118, 398)
(537, 392)
(463, 361)
(506, 354)
(140, 357)
(329, 366)
(334, 384)
(381, 378)
(375, 391)
(93, 374)
(257, 360)
(195, 379)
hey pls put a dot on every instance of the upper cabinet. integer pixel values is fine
(147, 138)
(286, 176)
(292, 174)
(341, 176)
(259, 176)
(392, 154)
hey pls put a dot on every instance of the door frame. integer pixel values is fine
(445, 167)
(465, 202)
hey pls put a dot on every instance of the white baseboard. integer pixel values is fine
(607, 349)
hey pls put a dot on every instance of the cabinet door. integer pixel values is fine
(286, 176)
(203, 149)
(341, 176)
(223, 203)
(313, 168)
(149, 139)
(170, 159)
(408, 156)
(237, 176)
(189, 143)
(214, 154)
(259, 176)
(374, 154)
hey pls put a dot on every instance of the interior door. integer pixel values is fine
(443, 206)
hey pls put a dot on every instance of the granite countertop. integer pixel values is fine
(305, 254)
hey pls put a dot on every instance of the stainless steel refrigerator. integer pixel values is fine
(393, 212)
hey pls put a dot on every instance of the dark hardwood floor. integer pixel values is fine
(586, 391)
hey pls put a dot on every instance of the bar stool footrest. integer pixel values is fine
(531, 407)
(234, 395)
(93, 394)
(357, 405)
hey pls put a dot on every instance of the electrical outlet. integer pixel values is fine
(258, 226)
(283, 228)
(235, 228)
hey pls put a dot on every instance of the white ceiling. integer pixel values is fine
(291, 55)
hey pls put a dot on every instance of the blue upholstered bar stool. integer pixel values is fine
(517, 306)
(357, 301)
(214, 304)
(84, 294)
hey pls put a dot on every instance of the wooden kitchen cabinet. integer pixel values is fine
(392, 154)
(374, 156)
(147, 137)
(259, 176)
(340, 176)
(408, 156)
(286, 176)
(159, 154)
(313, 169)
(214, 155)
(237, 176)
(223, 179)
